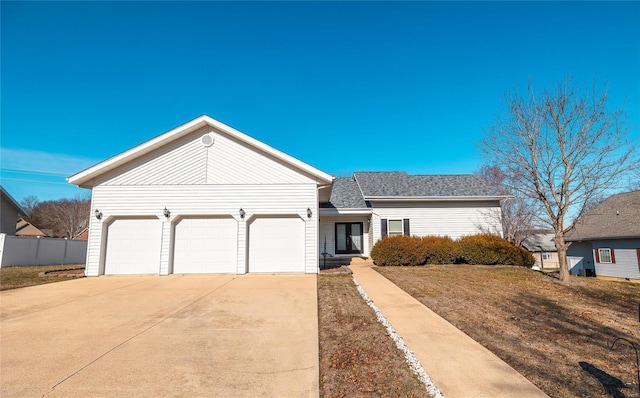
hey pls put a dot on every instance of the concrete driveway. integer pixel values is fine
(169, 336)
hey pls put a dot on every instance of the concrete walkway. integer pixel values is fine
(457, 364)
(161, 336)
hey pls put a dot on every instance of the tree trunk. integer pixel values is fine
(561, 246)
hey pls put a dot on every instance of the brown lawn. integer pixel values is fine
(357, 357)
(15, 277)
(558, 335)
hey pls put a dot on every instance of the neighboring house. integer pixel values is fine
(10, 210)
(83, 235)
(25, 228)
(607, 239)
(206, 198)
(544, 250)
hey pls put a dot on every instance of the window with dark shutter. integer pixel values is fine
(383, 227)
(605, 256)
(406, 227)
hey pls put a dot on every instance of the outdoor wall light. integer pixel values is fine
(309, 213)
(166, 212)
(98, 214)
(242, 213)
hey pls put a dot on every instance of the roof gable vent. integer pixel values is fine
(207, 140)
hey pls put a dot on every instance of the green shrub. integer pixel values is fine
(441, 250)
(399, 250)
(490, 249)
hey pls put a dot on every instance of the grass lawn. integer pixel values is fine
(558, 335)
(15, 277)
(357, 357)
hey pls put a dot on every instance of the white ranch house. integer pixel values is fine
(206, 198)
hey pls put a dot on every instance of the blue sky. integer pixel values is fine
(343, 86)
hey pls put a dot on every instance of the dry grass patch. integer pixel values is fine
(15, 277)
(556, 334)
(357, 357)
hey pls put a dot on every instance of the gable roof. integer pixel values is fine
(85, 178)
(617, 217)
(25, 228)
(533, 243)
(398, 185)
(12, 202)
(345, 194)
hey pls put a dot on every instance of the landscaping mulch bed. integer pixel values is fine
(357, 357)
(557, 334)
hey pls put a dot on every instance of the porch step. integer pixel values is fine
(335, 262)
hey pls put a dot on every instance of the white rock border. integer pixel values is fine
(410, 358)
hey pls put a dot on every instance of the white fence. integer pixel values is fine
(19, 250)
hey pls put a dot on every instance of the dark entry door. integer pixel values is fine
(349, 237)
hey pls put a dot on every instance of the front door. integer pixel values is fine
(348, 237)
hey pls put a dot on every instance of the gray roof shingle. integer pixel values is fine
(398, 183)
(617, 217)
(345, 194)
(534, 242)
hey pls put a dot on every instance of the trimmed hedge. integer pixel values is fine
(483, 249)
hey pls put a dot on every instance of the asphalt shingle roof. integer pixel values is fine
(399, 183)
(345, 194)
(617, 217)
(534, 242)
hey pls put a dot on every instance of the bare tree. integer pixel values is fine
(66, 217)
(29, 203)
(518, 217)
(564, 148)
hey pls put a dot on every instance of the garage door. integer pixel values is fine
(276, 245)
(133, 246)
(205, 245)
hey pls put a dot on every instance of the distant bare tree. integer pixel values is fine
(564, 148)
(28, 204)
(66, 217)
(519, 214)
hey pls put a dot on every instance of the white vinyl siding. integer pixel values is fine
(453, 219)
(187, 161)
(204, 200)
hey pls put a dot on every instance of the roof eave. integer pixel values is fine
(431, 198)
(344, 210)
(589, 238)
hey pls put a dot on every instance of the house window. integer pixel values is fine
(547, 256)
(395, 227)
(605, 256)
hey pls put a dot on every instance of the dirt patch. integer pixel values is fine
(557, 334)
(357, 357)
(337, 270)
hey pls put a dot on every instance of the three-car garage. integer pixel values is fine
(206, 244)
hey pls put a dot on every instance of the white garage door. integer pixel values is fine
(276, 245)
(133, 246)
(206, 245)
